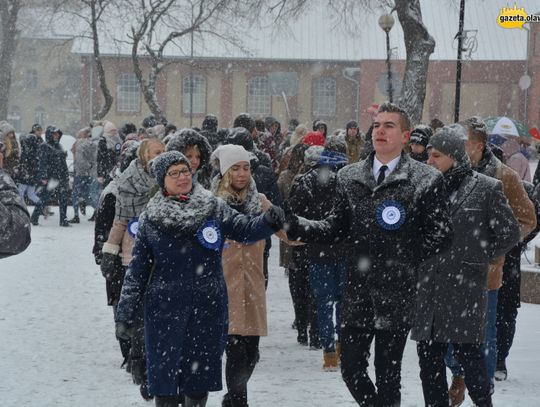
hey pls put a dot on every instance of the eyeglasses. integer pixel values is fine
(176, 173)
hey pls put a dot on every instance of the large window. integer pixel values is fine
(259, 101)
(40, 116)
(128, 98)
(324, 97)
(194, 94)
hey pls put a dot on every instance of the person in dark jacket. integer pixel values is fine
(176, 273)
(108, 151)
(509, 300)
(452, 296)
(264, 177)
(27, 176)
(104, 221)
(418, 142)
(53, 175)
(313, 196)
(210, 131)
(392, 212)
(196, 148)
(14, 217)
(245, 121)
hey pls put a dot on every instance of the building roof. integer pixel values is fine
(314, 37)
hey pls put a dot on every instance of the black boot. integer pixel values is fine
(167, 401)
(145, 394)
(500, 372)
(75, 220)
(189, 402)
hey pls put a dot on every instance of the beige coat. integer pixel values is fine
(523, 210)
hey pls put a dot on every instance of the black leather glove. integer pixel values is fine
(108, 265)
(275, 217)
(123, 331)
(291, 220)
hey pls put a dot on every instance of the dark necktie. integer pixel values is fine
(381, 176)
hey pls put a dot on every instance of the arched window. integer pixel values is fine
(194, 94)
(324, 97)
(128, 96)
(259, 100)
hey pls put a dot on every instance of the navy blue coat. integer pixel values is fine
(185, 297)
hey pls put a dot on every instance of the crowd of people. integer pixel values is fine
(399, 231)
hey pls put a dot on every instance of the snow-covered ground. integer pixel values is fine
(57, 345)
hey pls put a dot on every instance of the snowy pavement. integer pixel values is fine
(57, 345)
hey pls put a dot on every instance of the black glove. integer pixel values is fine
(275, 217)
(123, 331)
(108, 265)
(291, 220)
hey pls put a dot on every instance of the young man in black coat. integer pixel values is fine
(392, 212)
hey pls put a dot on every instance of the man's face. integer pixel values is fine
(439, 160)
(474, 149)
(56, 136)
(388, 136)
(417, 148)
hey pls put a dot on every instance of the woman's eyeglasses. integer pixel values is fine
(176, 173)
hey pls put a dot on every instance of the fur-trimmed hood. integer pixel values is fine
(177, 217)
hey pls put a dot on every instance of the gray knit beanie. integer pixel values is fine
(450, 140)
(163, 162)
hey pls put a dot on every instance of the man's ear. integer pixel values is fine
(406, 136)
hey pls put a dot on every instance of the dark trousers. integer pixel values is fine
(62, 193)
(137, 351)
(242, 356)
(389, 346)
(433, 372)
(506, 329)
(305, 310)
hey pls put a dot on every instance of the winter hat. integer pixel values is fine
(240, 136)
(353, 124)
(163, 162)
(186, 138)
(421, 135)
(450, 140)
(244, 120)
(314, 138)
(312, 155)
(109, 128)
(6, 128)
(210, 122)
(336, 143)
(225, 156)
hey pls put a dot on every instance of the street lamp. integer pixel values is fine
(386, 22)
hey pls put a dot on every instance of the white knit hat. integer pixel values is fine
(227, 155)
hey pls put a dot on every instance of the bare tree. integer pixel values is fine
(419, 44)
(163, 24)
(9, 12)
(91, 12)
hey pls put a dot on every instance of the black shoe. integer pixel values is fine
(226, 401)
(35, 222)
(75, 220)
(314, 344)
(144, 391)
(83, 210)
(65, 224)
(500, 372)
(92, 218)
(302, 338)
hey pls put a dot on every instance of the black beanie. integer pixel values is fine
(162, 162)
(421, 135)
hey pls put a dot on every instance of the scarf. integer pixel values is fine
(134, 186)
(454, 177)
(179, 216)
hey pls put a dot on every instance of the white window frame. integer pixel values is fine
(324, 97)
(259, 98)
(128, 93)
(199, 94)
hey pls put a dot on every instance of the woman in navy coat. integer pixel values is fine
(176, 272)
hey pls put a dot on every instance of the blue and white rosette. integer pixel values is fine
(133, 227)
(117, 147)
(390, 215)
(209, 235)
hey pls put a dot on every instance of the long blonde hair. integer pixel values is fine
(142, 151)
(226, 191)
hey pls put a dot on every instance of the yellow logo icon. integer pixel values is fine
(512, 17)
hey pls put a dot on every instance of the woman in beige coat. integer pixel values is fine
(243, 271)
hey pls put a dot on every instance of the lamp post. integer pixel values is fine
(386, 22)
